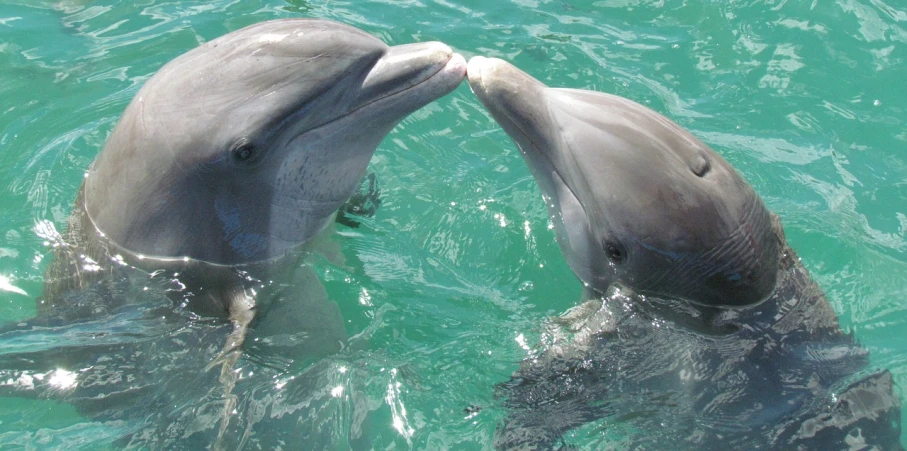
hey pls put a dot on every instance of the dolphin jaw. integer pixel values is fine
(438, 73)
(407, 65)
(433, 70)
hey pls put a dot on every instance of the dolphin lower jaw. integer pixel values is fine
(431, 80)
(405, 66)
(502, 88)
(298, 214)
(405, 79)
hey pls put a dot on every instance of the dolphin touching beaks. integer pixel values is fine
(244, 147)
(702, 330)
(226, 168)
(240, 152)
(634, 197)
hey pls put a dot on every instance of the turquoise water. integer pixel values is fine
(806, 99)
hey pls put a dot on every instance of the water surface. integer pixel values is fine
(453, 278)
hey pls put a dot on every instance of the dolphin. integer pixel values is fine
(239, 153)
(225, 170)
(701, 329)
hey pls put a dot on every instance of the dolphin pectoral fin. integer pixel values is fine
(300, 323)
(297, 318)
(345, 220)
(866, 415)
(326, 246)
(242, 309)
(242, 312)
(363, 203)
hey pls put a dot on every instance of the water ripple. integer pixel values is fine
(802, 97)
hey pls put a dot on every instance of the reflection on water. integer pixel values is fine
(801, 97)
(398, 410)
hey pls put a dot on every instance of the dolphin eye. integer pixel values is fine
(243, 151)
(614, 251)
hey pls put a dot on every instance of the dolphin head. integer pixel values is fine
(634, 198)
(245, 147)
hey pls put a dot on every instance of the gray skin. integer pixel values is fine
(633, 196)
(255, 139)
(224, 172)
(239, 153)
(701, 321)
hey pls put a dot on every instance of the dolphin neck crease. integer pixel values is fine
(792, 278)
(112, 249)
(205, 288)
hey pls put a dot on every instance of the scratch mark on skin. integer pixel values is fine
(142, 116)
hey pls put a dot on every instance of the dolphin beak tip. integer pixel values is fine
(458, 63)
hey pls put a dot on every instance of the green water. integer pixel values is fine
(807, 99)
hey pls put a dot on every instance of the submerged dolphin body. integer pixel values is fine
(703, 329)
(225, 169)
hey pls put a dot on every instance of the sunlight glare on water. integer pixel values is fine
(452, 282)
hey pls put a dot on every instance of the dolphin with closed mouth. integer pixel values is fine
(702, 328)
(227, 167)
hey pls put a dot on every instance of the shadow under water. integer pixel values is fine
(667, 374)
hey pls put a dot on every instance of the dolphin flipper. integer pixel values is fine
(364, 202)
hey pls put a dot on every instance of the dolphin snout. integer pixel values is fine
(478, 65)
(405, 66)
(514, 98)
(478, 70)
(493, 78)
(502, 87)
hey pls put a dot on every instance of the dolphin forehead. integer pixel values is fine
(263, 71)
(642, 174)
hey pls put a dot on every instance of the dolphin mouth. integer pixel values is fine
(416, 74)
(519, 103)
(407, 77)
(407, 66)
(501, 87)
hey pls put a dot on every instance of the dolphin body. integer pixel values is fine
(702, 328)
(226, 169)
